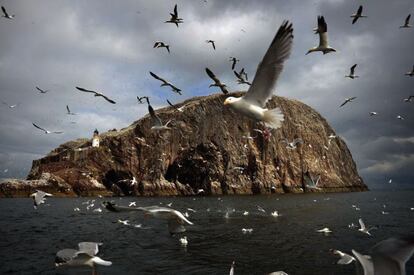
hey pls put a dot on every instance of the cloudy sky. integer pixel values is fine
(107, 46)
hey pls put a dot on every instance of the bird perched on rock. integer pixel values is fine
(174, 17)
(253, 102)
(166, 83)
(217, 82)
(322, 30)
(358, 15)
(160, 44)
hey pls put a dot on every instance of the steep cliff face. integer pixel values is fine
(209, 147)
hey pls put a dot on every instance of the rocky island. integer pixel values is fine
(209, 150)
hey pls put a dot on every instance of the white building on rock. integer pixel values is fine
(95, 138)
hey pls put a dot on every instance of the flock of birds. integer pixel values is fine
(388, 255)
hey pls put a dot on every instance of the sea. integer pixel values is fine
(30, 238)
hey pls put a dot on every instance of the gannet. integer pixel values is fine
(322, 30)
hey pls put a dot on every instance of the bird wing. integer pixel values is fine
(90, 248)
(181, 217)
(296, 141)
(155, 119)
(65, 255)
(353, 69)
(40, 128)
(156, 44)
(175, 89)
(4, 11)
(57, 132)
(271, 66)
(354, 20)
(233, 65)
(106, 98)
(158, 78)
(175, 11)
(407, 20)
(67, 108)
(85, 90)
(169, 103)
(214, 45)
(366, 263)
(40, 90)
(399, 249)
(345, 102)
(213, 76)
(323, 32)
(359, 12)
(345, 259)
(238, 75)
(362, 224)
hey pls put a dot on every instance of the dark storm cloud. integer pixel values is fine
(58, 45)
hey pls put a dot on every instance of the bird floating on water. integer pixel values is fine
(322, 30)
(160, 44)
(184, 241)
(349, 99)
(253, 102)
(166, 83)
(358, 15)
(407, 22)
(388, 256)
(5, 14)
(174, 17)
(212, 43)
(352, 72)
(39, 197)
(217, 82)
(47, 131)
(96, 94)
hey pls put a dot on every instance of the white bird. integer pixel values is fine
(310, 182)
(247, 230)
(400, 117)
(344, 258)
(352, 72)
(132, 203)
(322, 30)
(156, 121)
(358, 15)
(47, 131)
(388, 256)
(275, 213)
(84, 256)
(373, 113)
(324, 230)
(410, 73)
(409, 98)
(349, 99)
(184, 241)
(261, 209)
(124, 222)
(97, 210)
(245, 213)
(176, 220)
(39, 197)
(76, 209)
(390, 181)
(269, 69)
(278, 273)
(384, 213)
(200, 191)
(11, 106)
(5, 14)
(232, 268)
(363, 228)
(292, 145)
(407, 22)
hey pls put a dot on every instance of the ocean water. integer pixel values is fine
(30, 238)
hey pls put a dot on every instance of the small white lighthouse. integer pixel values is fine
(95, 138)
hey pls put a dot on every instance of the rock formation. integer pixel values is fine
(209, 147)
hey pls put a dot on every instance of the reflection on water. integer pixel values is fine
(30, 238)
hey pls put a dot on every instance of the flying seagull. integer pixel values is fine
(5, 14)
(292, 145)
(349, 99)
(156, 121)
(407, 22)
(140, 99)
(41, 90)
(160, 44)
(217, 82)
(11, 106)
(233, 62)
(181, 109)
(46, 131)
(268, 71)
(344, 258)
(240, 79)
(68, 111)
(410, 73)
(322, 30)
(212, 43)
(409, 98)
(400, 117)
(174, 17)
(96, 94)
(84, 256)
(388, 256)
(357, 15)
(166, 83)
(373, 113)
(352, 72)
(363, 228)
(39, 197)
(310, 182)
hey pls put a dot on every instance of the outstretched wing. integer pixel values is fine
(158, 78)
(4, 11)
(271, 66)
(85, 90)
(407, 20)
(362, 224)
(353, 69)
(359, 12)
(156, 120)
(40, 128)
(212, 76)
(323, 32)
(90, 248)
(107, 99)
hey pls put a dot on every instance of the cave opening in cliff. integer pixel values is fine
(119, 178)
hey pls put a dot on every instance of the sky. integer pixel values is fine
(107, 46)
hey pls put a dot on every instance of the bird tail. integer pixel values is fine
(100, 261)
(273, 118)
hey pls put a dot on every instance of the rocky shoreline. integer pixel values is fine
(210, 150)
